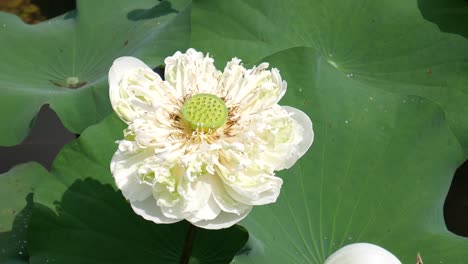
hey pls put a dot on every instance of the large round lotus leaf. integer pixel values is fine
(378, 172)
(16, 199)
(64, 61)
(79, 216)
(385, 44)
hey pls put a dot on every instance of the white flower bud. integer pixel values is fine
(362, 253)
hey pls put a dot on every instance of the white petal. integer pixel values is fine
(224, 220)
(135, 90)
(279, 136)
(208, 212)
(225, 201)
(254, 89)
(150, 211)
(124, 168)
(251, 186)
(199, 195)
(175, 211)
(123, 65)
(264, 190)
(191, 73)
(305, 131)
(118, 96)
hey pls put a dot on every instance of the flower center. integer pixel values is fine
(204, 112)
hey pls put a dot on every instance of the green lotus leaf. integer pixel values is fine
(64, 61)
(384, 44)
(16, 199)
(378, 172)
(80, 217)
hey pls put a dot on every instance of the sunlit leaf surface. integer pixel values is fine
(382, 162)
(64, 61)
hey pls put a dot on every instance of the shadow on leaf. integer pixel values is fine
(94, 224)
(159, 10)
(450, 15)
(13, 243)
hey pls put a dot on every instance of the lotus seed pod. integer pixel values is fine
(204, 112)
(362, 253)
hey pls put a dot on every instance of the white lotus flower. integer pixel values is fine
(202, 145)
(362, 253)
